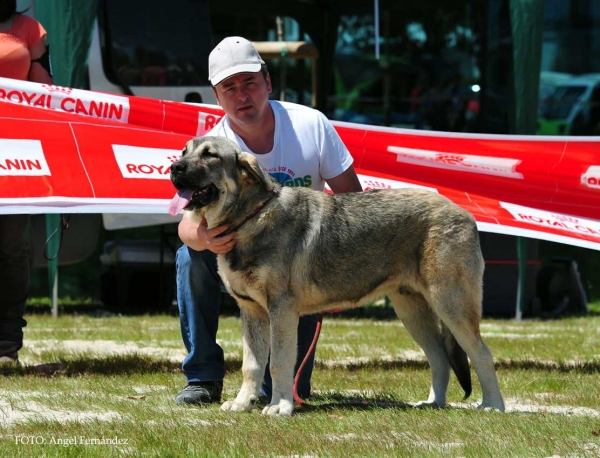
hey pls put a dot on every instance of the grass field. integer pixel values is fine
(103, 387)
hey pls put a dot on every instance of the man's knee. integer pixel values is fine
(186, 258)
(197, 269)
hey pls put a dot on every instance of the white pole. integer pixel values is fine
(519, 312)
(55, 295)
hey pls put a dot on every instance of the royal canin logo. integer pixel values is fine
(591, 178)
(20, 157)
(145, 163)
(449, 158)
(498, 166)
(51, 97)
(369, 183)
(57, 89)
(556, 221)
(206, 121)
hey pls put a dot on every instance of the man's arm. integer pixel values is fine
(199, 238)
(346, 181)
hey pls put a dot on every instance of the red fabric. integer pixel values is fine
(68, 150)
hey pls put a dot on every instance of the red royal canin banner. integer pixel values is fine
(66, 150)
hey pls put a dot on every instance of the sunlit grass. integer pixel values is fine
(121, 387)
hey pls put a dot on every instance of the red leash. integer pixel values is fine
(310, 351)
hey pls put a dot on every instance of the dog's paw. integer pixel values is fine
(487, 407)
(233, 406)
(428, 405)
(283, 409)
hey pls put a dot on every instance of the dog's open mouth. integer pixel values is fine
(190, 199)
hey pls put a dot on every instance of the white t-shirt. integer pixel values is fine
(307, 149)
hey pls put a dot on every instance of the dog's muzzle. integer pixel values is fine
(188, 196)
(178, 170)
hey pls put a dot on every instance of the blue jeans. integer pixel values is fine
(199, 297)
(14, 281)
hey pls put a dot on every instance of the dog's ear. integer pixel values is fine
(255, 171)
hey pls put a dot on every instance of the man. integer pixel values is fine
(295, 144)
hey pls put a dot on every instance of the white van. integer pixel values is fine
(548, 82)
(573, 108)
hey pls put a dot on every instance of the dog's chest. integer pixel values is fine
(245, 284)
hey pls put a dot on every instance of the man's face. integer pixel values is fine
(244, 97)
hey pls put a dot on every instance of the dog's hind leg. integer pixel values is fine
(422, 324)
(255, 336)
(284, 347)
(459, 309)
(459, 362)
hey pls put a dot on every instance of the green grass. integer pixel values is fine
(91, 379)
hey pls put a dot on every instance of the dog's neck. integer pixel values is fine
(253, 213)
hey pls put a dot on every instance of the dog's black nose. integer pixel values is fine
(177, 167)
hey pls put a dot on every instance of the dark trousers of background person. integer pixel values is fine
(14, 281)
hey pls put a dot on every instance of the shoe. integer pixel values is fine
(8, 360)
(200, 393)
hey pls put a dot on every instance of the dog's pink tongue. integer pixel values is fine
(179, 201)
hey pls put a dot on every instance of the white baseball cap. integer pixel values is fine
(232, 56)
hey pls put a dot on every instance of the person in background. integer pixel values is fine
(23, 56)
(298, 146)
(416, 94)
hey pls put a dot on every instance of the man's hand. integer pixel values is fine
(199, 237)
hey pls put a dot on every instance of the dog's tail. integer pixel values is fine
(458, 360)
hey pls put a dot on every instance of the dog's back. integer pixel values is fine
(349, 249)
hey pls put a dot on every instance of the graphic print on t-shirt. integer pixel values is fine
(287, 177)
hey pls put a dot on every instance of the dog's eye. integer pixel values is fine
(208, 153)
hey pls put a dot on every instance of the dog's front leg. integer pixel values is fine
(284, 343)
(255, 336)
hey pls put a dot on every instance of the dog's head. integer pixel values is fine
(210, 170)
